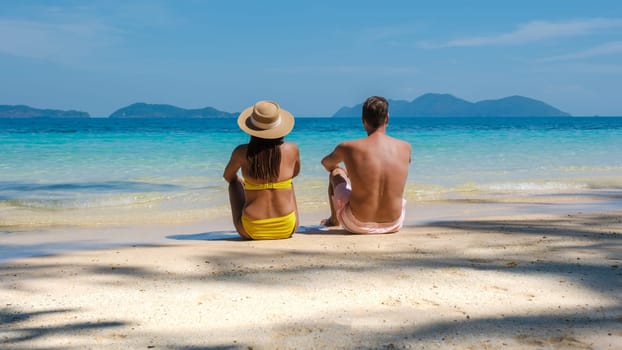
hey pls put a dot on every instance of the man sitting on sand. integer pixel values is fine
(367, 196)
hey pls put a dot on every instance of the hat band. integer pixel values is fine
(265, 126)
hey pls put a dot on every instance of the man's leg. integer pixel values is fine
(237, 200)
(336, 177)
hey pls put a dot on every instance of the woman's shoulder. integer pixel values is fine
(290, 146)
(241, 148)
(239, 152)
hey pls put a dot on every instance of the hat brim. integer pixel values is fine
(284, 128)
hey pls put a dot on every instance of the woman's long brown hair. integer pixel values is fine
(264, 158)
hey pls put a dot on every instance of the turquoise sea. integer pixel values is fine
(114, 171)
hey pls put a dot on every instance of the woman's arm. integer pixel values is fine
(235, 162)
(297, 164)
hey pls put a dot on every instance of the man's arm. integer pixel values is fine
(331, 161)
(235, 162)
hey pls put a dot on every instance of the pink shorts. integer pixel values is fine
(341, 201)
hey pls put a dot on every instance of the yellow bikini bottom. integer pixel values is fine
(270, 228)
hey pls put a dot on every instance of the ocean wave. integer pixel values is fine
(123, 200)
(104, 186)
(590, 168)
(535, 187)
(421, 191)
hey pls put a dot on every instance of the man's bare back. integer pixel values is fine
(377, 170)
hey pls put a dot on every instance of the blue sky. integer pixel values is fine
(310, 56)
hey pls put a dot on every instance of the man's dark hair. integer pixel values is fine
(264, 158)
(375, 111)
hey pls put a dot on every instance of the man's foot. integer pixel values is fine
(329, 222)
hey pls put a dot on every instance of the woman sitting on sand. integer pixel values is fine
(263, 202)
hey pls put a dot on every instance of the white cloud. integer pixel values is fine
(349, 69)
(594, 68)
(533, 32)
(611, 48)
(67, 42)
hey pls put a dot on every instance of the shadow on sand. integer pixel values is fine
(299, 266)
(231, 235)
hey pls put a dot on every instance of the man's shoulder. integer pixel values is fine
(354, 145)
(347, 144)
(400, 142)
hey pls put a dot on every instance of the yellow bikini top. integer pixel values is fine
(285, 184)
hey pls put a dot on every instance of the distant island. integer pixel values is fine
(21, 111)
(445, 105)
(145, 110)
(427, 105)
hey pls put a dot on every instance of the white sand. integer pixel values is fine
(518, 281)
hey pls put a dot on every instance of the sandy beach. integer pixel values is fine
(521, 281)
(125, 127)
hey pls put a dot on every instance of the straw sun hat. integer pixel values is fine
(267, 120)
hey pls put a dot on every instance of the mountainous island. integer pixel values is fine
(146, 110)
(445, 105)
(21, 111)
(427, 105)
